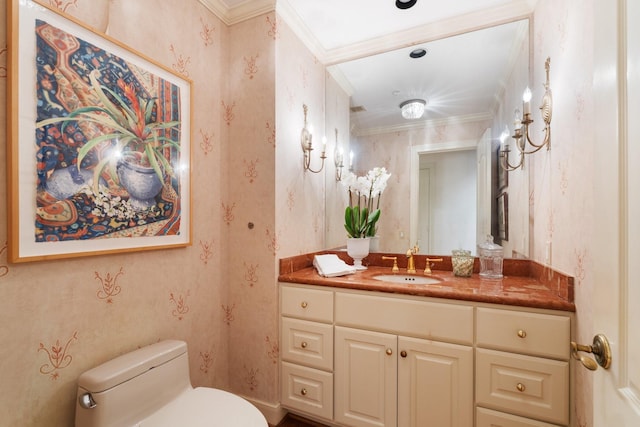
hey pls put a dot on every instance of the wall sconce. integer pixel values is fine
(338, 157)
(521, 132)
(306, 138)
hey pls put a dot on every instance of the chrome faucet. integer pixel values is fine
(411, 265)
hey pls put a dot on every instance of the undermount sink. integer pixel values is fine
(407, 278)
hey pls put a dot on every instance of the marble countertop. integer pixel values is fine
(525, 283)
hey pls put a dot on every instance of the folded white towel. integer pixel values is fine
(330, 265)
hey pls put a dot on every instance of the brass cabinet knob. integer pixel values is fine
(303, 344)
(389, 351)
(403, 353)
(304, 304)
(522, 333)
(521, 387)
(303, 392)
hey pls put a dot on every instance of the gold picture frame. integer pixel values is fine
(84, 110)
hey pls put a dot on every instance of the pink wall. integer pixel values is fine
(220, 294)
(562, 196)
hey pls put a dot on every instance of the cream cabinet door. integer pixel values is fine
(435, 384)
(365, 378)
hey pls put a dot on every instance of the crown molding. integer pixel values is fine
(341, 80)
(246, 10)
(297, 25)
(432, 31)
(422, 125)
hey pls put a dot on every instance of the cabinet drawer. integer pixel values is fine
(410, 317)
(488, 418)
(531, 333)
(523, 385)
(310, 304)
(307, 343)
(308, 390)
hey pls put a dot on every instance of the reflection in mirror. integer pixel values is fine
(472, 84)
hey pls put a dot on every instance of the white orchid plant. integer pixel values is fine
(360, 217)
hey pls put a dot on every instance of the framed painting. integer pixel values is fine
(503, 216)
(503, 175)
(99, 142)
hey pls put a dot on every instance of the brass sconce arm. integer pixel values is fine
(521, 133)
(306, 141)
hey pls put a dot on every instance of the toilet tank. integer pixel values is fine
(129, 388)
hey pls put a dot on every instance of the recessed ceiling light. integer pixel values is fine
(418, 53)
(405, 4)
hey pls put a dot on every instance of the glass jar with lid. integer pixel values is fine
(491, 257)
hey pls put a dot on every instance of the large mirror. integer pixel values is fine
(447, 190)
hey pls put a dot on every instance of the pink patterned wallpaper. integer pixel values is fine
(220, 294)
(252, 204)
(562, 196)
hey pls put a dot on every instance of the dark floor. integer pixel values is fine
(295, 421)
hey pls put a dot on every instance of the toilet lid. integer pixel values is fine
(206, 407)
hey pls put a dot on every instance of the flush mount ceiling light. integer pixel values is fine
(413, 108)
(405, 4)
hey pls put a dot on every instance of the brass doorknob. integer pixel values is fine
(403, 353)
(389, 351)
(601, 351)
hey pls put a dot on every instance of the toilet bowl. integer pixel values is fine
(150, 387)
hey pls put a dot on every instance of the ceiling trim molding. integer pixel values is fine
(341, 80)
(433, 31)
(246, 10)
(289, 15)
(422, 125)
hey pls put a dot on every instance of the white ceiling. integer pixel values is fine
(460, 75)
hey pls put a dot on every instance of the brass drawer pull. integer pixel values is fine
(521, 387)
(303, 344)
(403, 353)
(304, 304)
(522, 333)
(389, 351)
(303, 392)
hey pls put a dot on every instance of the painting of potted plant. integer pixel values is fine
(136, 160)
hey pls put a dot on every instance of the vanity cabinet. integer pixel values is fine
(402, 361)
(362, 358)
(306, 342)
(522, 368)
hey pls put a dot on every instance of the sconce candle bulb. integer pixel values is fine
(521, 131)
(306, 137)
(526, 99)
(338, 155)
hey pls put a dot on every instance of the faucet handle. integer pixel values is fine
(427, 268)
(395, 268)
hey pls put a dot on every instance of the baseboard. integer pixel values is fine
(273, 412)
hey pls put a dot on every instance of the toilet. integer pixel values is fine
(150, 387)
